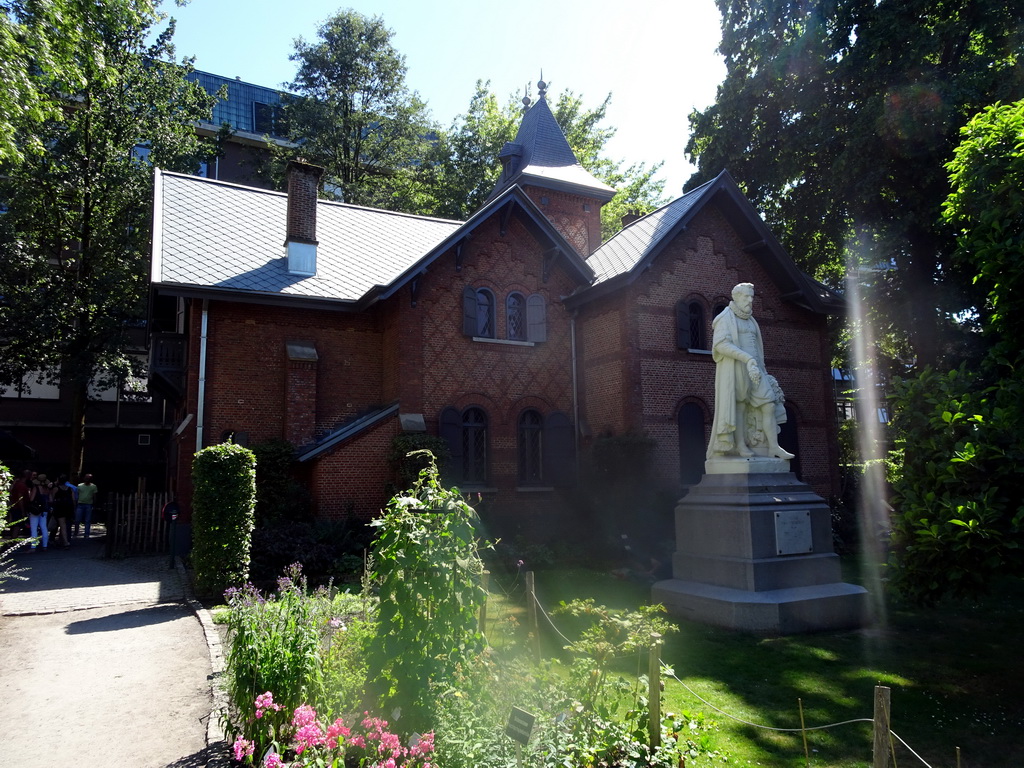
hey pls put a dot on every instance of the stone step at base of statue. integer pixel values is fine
(819, 607)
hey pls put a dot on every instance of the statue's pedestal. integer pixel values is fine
(754, 552)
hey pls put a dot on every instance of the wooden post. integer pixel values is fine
(531, 608)
(654, 694)
(880, 747)
(485, 581)
(803, 732)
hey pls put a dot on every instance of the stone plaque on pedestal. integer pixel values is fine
(754, 552)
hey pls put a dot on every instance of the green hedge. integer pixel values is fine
(223, 502)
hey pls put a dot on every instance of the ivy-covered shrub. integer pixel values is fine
(427, 570)
(279, 496)
(223, 498)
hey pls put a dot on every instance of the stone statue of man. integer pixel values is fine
(748, 402)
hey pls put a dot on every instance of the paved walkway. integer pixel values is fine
(104, 662)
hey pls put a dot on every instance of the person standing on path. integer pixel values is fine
(37, 503)
(87, 491)
(63, 508)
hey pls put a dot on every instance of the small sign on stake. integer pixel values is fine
(520, 725)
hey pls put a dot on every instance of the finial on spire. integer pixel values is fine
(542, 87)
(526, 97)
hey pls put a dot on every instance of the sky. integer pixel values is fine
(656, 57)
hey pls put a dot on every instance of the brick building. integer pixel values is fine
(516, 335)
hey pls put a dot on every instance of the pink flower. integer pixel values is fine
(264, 702)
(336, 731)
(273, 760)
(424, 746)
(358, 741)
(308, 736)
(304, 715)
(243, 749)
(389, 742)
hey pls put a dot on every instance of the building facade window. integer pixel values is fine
(531, 448)
(515, 316)
(690, 325)
(474, 446)
(525, 316)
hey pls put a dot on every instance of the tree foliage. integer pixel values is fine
(354, 114)
(961, 507)
(74, 241)
(465, 164)
(837, 117)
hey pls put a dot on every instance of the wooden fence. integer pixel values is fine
(134, 524)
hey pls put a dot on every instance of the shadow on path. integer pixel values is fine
(143, 617)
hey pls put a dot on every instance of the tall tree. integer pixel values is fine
(837, 117)
(74, 240)
(960, 520)
(354, 114)
(465, 165)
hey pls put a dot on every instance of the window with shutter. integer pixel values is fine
(536, 318)
(450, 430)
(682, 325)
(559, 450)
(469, 311)
(531, 432)
(474, 446)
(485, 325)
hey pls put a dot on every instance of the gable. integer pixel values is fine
(632, 251)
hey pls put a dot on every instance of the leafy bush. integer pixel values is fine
(427, 569)
(279, 496)
(329, 551)
(305, 647)
(959, 502)
(224, 493)
(7, 568)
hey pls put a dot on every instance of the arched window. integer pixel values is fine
(692, 445)
(478, 312)
(485, 314)
(531, 451)
(515, 316)
(690, 332)
(474, 446)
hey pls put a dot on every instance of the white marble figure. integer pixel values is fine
(748, 401)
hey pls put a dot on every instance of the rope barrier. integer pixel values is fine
(765, 727)
(901, 741)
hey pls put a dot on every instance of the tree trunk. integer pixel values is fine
(79, 399)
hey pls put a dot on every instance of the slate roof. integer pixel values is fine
(623, 257)
(216, 236)
(624, 250)
(541, 155)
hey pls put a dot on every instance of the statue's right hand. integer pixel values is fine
(753, 371)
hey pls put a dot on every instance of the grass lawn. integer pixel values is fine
(955, 672)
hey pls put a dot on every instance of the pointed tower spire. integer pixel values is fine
(541, 156)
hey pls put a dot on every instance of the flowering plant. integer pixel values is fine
(312, 743)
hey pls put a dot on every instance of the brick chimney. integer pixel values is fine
(300, 393)
(300, 241)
